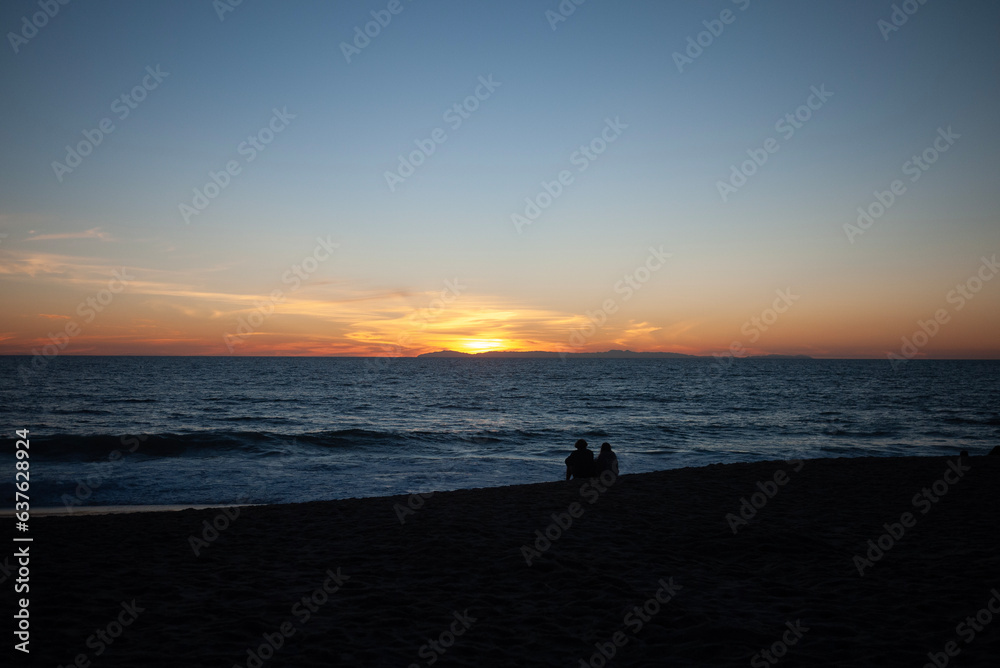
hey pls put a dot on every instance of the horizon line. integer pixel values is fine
(460, 355)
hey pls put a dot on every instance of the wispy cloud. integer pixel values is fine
(54, 266)
(92, 233)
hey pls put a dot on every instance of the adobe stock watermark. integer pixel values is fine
(293, 277)
(88, 310)
(753, 329)
(789, 638)
(634, 621)
(223, 7)
(454, 116)
(923, 501)
(381, 18)
(37, 21)
(582, 158)
(786, 126)
(590, 491)
(562, 12)
(629, 284)
(435, 648)
(7, 569)
(766, 491)
(211, 530)
(102, 473)
(713, 30)
(967, 630)
(914, 168)
(960, 295)
(901, 13)
(103, 638)
(122, 106)
(413, 503)
(250, 148)
(301, 610)
(419, 319)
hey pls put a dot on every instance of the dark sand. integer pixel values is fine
(401, 584)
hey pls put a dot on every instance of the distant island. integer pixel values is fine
(610, 354)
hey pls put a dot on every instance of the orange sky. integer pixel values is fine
(56, 300)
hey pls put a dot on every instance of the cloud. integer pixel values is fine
(469, 322)
(64, 268)
(92, 233)
(174, 311)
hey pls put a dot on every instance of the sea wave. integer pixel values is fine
(79, 447)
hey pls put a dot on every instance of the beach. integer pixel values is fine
(764, 563)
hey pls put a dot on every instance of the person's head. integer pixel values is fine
(581, 444)
(605, 447)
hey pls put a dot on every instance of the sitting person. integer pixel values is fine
(607, 460)
(580, 463)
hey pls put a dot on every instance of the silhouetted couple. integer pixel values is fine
(581, 462)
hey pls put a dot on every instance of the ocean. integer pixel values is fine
(130, 431)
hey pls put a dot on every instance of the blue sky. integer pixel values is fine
(656, 185)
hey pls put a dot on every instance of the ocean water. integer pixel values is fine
(198, 430)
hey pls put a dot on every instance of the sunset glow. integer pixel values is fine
(58, 300)
(482, 345)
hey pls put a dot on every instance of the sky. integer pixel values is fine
(397, 177)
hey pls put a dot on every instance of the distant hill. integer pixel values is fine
(446, 353)
(611, 354)
(780, 357)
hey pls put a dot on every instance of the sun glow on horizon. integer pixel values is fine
(481, 345)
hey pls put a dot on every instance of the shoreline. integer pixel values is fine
(82, 511)
(727, 555)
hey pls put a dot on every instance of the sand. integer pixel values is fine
(656, 569)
